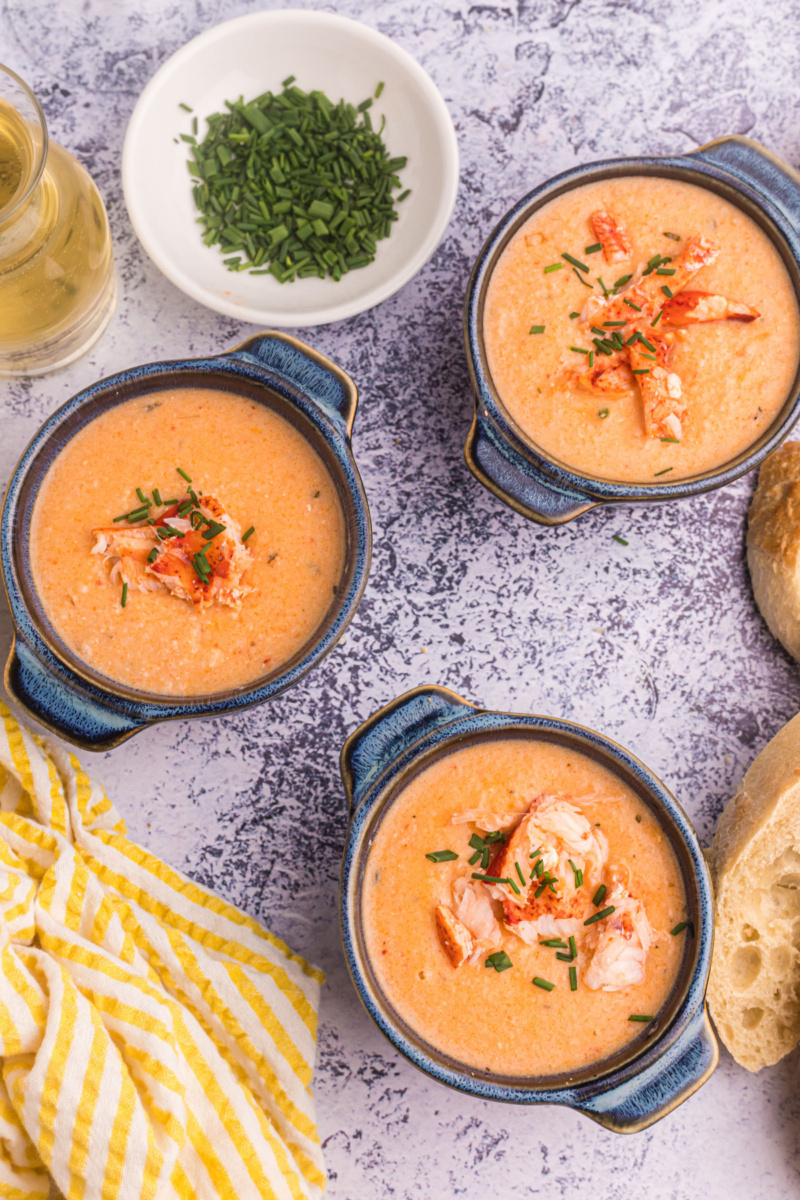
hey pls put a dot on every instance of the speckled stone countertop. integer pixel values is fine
(657, 644)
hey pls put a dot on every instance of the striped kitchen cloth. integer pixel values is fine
(155, 1041)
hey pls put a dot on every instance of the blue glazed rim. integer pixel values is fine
(371, 788)
(280, 367)
(743, 172)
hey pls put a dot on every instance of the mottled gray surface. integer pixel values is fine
(657, 644)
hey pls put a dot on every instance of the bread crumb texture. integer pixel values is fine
(773, 542)
(754, 988)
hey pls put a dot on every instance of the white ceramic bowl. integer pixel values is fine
(246, 57)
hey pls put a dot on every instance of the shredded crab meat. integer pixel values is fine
(611, 236)
(660, 388)
(127, 551)
(561, 832)
(695, 308)
(639, 303)
(558, 833)
(468, 928)
(621, 944)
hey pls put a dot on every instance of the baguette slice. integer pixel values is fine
(754, 988)
(773, 544)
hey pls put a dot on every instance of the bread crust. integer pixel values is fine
(773, 544)
(754, 988)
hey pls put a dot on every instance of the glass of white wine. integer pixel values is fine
(57, 280)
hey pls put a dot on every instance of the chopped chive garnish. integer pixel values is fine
(171, 531)
(157, 497)
(185, 107)
(606, 291)
(181, 471)
(573, 979)
(676, 237)
(535, 853)
(598, 897)
(578, 275)
(657, 318)
(288, 80)
(473, 858)
(214, 530)
(153, 555)
(669, 294)
(642, 371)
(556, 942)
(544, 984)
(124, 598)
(378, 90)
(513, 886)
(248, 533)
(648, 345)
(652, 357)
(122, 517)
(541, 888)
(614, 324)
(538, 867)
(488, 878)
(496, 835)
(193, 495)
(138, 513)
(438, 856)
(553, 267)
(595, 246)
(679, 928)
(619, 539)
(630, 304)
(564, 957)
(142, 497)
(476, 841)
(591, 358)
(537, 329)
(499, 960)
(600, 332)
(666, 471)
(579, 349)
(623, 279)
(640, 1017)
(572, 947)
(667, 439)
(574, 316)
(603, 413)
(485, 856)
(599, 916)
(665, 271)
(577, 872)
(521, 876)
(576, 262)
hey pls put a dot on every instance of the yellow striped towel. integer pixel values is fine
(156, 1042)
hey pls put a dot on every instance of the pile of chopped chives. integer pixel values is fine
(292, 185)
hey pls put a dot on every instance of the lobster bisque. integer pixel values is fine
(500, 1021)
(266, 475)
(735, 375)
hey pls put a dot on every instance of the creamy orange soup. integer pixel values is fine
(264, 475)
(500, 1020)
(734, 375)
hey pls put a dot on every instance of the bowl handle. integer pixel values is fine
(516, 481)
(60, 708)
(753, 164)
(391, 731)
(663, 1085)
(316, 376)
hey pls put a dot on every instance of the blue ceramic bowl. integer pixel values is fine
(673, 1056)
(43, 675)
(501, 455)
